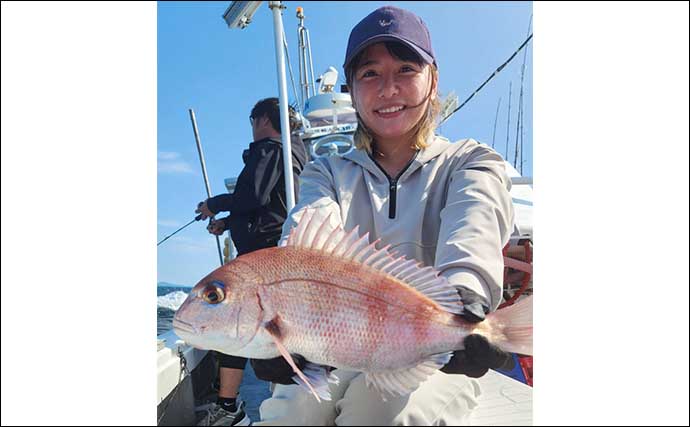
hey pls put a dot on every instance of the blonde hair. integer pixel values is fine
(422, 131)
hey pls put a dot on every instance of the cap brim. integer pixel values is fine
(388, 37)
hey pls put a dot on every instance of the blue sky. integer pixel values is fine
(221, 73)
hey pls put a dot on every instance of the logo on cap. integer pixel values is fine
(390, 23)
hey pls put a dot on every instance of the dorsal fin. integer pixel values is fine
(316, 232)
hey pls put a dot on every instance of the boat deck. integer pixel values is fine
(504, 402)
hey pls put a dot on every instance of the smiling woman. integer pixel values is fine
(439, 203)
(405, 185)
(395, 94)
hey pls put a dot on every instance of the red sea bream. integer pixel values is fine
(338, 301)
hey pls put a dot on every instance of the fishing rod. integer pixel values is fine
(493, 138)
(203, 170)
(197, 218)
(510, 94)
(498, 70)
(519, 116)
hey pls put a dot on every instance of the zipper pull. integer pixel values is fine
(392, 199)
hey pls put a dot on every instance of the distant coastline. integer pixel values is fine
(171, 285)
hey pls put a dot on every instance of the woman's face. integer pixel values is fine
(387, 90)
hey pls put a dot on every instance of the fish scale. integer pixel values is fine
(335, 299)
(339, 302)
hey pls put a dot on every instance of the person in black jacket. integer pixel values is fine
(258, 208)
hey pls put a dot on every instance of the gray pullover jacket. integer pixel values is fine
(450, 208)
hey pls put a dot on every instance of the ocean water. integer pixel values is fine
(170, 298)
(252, 390)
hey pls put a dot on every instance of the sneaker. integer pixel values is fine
(217, 416)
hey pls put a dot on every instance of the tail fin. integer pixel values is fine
(513, 327)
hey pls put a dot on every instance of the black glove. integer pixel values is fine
(477, 358)
(479, 354)
(475, 306)
(277, 370)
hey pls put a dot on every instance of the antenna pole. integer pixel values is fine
(301, 40)
(276, 8)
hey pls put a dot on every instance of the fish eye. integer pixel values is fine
(214, 292)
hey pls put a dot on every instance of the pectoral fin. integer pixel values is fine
(311, 374)
(319, 377)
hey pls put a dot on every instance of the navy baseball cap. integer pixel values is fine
(391, 23)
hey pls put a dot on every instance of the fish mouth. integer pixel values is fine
(182, 326)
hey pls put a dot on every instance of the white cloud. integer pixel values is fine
(168, 155)
(170, 162)
(192, 245)
(174, 167)
(168, 223)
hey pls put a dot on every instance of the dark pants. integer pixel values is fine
(227, 361)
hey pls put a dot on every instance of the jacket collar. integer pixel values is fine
(269, 139)
(296, 145)
(436, 147)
